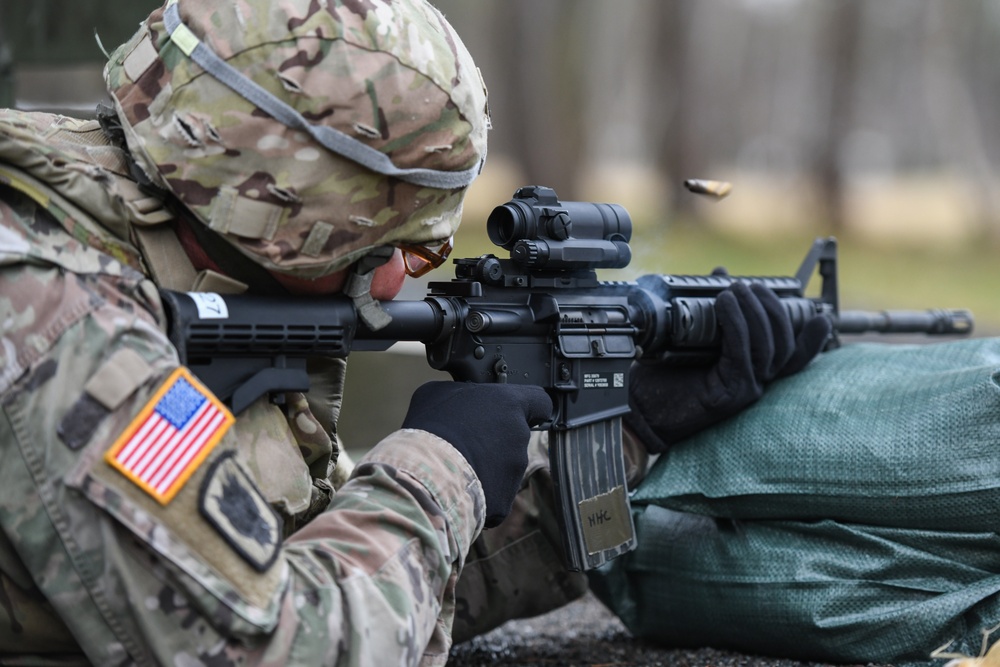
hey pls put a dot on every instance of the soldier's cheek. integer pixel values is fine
(386, 282)
(389, 278)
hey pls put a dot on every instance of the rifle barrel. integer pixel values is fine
(934, 321)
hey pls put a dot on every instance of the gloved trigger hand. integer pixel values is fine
(489, 424)
(758, 345)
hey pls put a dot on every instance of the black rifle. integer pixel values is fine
(540, 317)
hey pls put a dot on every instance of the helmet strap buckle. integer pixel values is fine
(359, 284)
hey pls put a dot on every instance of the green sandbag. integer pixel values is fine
(850, 516)
(812, 591)
(879, 434)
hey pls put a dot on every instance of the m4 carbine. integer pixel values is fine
(539, 317)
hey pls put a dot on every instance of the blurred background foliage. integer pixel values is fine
(873, 121)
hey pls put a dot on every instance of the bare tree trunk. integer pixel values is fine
(958, 127)
(616, 87)
(6, 70)
(841, 50)
(680, 152)
(537, 117)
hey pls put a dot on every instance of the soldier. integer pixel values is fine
(248, 146)
(296, 147)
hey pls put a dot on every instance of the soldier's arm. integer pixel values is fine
(205, 574)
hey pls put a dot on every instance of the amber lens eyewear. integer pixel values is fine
(419, 259)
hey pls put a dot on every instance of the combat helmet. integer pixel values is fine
(305, 132)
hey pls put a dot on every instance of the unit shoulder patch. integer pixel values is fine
(231, 502)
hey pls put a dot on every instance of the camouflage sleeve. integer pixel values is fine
(97, 555)
(516, 570)
(399, 532)
(637, 459)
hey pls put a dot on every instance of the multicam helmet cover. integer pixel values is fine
(305, 132)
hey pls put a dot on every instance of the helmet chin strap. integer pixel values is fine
(359, 286)
(359, 278)
(230, 261)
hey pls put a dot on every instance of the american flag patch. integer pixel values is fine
(171, 436)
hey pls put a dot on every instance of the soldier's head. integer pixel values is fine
(305, 133)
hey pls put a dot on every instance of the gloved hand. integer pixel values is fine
(490, 425)
(670, 403)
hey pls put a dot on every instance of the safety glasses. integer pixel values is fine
(419, 259)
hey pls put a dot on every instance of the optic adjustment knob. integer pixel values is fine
(525, 252)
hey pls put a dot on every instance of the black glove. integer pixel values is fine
(490, 425)
(670, 403)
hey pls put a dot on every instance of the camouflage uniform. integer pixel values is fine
(252, 558)
(91, 563)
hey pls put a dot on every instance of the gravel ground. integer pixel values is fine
(586, 634)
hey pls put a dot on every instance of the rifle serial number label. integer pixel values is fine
(595, 381)
(602, 381)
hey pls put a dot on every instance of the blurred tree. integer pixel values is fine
(6, 71)
(816, 93)
(825, 94)
(61, 33)
(953, 111)
(681, 146)
(526, 50)
(839, 49)
(58, 32)
(538, 117)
